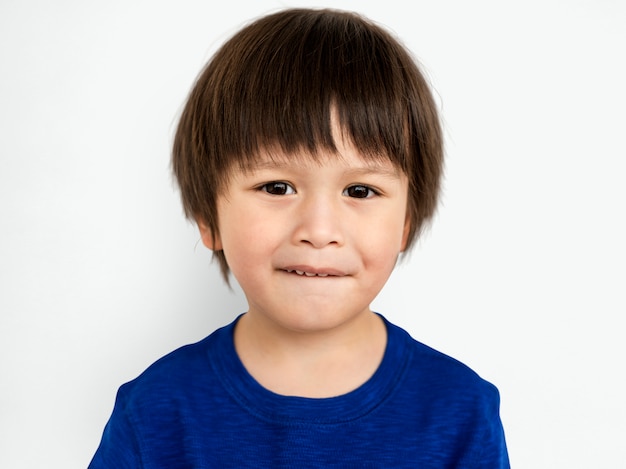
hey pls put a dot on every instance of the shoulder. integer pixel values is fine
(154, 412)
(457, 407)
(181, 372)
(440, 378)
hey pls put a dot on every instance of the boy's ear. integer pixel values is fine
(214, 243)
(405, 233)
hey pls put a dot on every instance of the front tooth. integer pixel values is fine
(299, 272)
(308, 274)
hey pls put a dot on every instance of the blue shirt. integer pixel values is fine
(198, 407)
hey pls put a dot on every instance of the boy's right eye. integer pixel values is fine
(277, 188)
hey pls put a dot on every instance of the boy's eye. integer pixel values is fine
(277, 188)
(359, 192)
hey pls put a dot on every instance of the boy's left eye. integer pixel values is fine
(359, 192)
(277, 188)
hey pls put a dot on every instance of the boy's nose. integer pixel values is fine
(319, 223)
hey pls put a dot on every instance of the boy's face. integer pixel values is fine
(312, 243)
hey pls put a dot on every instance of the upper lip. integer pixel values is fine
(320, 271)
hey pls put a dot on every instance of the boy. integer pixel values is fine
(309, 153)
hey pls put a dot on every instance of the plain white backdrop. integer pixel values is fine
(522, 275)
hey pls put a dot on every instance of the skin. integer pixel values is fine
(312, 243)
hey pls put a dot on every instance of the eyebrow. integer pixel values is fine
(368, 168)
(376, 170)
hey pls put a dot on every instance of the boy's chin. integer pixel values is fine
(306, 320)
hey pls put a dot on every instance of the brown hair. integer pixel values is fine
(276, 83)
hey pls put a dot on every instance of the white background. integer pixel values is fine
(521, 276)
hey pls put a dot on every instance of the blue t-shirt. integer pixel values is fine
(198, 407)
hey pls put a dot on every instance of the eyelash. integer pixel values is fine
(287, 189)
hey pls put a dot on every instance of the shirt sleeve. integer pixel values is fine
(118, 447)
(492, 452)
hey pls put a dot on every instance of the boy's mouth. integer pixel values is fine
(307, 271)
(307, 274)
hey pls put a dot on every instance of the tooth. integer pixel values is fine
(299, 272)
(309, 274)
(322, 275)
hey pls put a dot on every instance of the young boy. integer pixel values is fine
(309, 153)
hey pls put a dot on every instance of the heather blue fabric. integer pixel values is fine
(199, 408)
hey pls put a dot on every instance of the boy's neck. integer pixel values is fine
(315, 365)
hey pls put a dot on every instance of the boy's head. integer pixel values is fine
(279, 84)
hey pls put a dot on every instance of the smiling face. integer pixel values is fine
(312, 242)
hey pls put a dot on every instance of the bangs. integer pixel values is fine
(281, 90)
